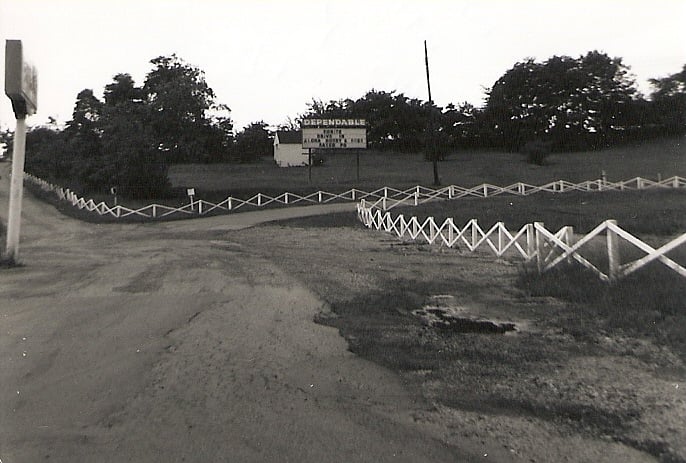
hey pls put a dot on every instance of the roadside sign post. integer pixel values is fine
(191, 194)
(113, 191)
(21, 86)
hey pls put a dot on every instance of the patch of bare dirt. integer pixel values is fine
(538, 393)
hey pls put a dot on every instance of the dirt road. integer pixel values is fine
(168, 342)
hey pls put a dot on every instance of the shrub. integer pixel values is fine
(536, 151)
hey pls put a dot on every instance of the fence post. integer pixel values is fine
(230, 200)
(569, 235)
(319, 196)
(384, 203)
(500, 238)
(200, 207)
(416, 197)
(154, 211)
(530, 241)
(539, 246)
(353, 194)
(259, 199)
(450, 192)
(449, 222)
(475, 235)
(613, 256)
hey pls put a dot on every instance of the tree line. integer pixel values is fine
(585, 103)
(129, 139)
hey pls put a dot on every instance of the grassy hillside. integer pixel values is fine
(467, 168)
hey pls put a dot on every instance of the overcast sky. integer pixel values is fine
(267, 59)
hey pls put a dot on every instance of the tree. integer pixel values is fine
(181, 100)
(82, 140)
(669, 102)
(122, 90)
(253, 142)
(131, 158)
(573, 102)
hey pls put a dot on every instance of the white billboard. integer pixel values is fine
(334, 133)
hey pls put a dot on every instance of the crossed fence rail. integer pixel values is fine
(387, 197)
(533, 241)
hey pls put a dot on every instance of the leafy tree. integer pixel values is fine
(131, 159)
(669, 102)
(180, 100)
(46, 154)
(82, 140)
(574, 102)
(253, 142)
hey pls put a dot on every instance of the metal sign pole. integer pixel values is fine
(309, 164)
(16, 191)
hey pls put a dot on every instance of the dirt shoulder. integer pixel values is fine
(556, 389)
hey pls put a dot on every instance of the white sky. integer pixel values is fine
(267, 59)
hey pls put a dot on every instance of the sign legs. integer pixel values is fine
(16, 192)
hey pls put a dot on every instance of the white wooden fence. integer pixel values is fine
(533, 241)
(387, 197)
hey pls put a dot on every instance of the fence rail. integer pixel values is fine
(533, 241)
(385, 197)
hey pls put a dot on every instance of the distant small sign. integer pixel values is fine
(190, 191)
(21, 80)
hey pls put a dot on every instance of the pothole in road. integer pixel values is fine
(444, 314)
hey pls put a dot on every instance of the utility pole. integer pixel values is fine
(430, 129)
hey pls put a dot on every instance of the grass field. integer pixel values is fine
(468, 168)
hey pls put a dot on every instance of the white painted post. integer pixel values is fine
(475, 235)
(449, 222)
(520, 188)
(539, 246)
(384, 203)
(353, 194)
(259, 199)
(530, 241)
(450, 192)
(500, 238)
(613, 256)
(569, 236)
(154, 210)
(286, 197)
(319, 196)
(485, 191)
(16, 191)
(200, 207)
(416, 198)
(230, 201)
